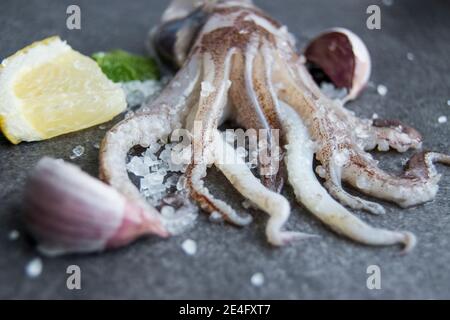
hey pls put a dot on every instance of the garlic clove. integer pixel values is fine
(343, 57)
(68, 211)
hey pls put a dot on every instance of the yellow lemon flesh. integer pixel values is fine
(48, 89)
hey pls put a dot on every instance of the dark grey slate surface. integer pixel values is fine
(329, 267)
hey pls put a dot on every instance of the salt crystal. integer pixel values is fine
(137, 167)
(257, 279)
(129, 115)
(34, 268)
(153, 168)
(207, 89)
(149, 159)
(382, 90)
(183, 159)
(388, 3)
(189, 246)
(448, 102)
(102, 127)
(165, 155)
(153, 180)
(96, 145)
(77, 152)
(138, 92)
(362, 183)
(332, 92)
(442, 119)
(410, 56)
(167, 211)
(375, 116)
(181, 184)
(383, 145)
(13, 235)
(182, 219)
(153, 188)
(360, 132)
(135, 98)
(215, 217)
(154, 147)
(341, 158)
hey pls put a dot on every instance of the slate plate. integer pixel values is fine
(329, 267)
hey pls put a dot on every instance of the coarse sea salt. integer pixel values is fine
(332, 92)
(13, 235)
(382, 90)
(442, 119)
(168, 211)
(215, 217)
(189, 246)
(161, 179)
(34, 268)
(138, 92)
(410, 56)
(138, 167)
(257, 279)
(77, 152)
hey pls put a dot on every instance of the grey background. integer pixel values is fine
(329, 267)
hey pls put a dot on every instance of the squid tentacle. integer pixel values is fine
(213, 98)
(292, 94)
(274, 204)
(420, 179)
(141, 130)
(334, 186)
(261, 111)
(311, 194)
(267, 102)
(249, 113)
(395, 134)
(207, 201)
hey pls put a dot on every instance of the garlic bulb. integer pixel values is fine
(343, 57)
(68, 211)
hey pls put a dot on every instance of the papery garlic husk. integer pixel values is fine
(68, 211)
(343, 57)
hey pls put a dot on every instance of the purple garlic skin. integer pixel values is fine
(343, 57)
(68, 211)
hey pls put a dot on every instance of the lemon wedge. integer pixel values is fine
(48, 89)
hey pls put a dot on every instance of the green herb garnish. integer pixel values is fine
(121, 66)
